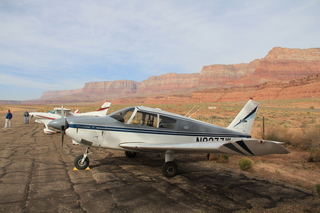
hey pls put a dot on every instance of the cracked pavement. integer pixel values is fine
(37, 175)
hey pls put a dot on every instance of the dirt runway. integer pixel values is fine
(37, 175)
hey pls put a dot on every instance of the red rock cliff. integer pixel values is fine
(168, 82)
(59, 93)
(217, 75)
(122, 87)
(281, 64)
(284, 64)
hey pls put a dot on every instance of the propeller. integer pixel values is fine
(61, 124)
(64, 126)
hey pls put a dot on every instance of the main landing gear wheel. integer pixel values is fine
(80, 163)
(130, 154)
(169, 169)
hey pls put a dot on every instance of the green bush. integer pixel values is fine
(245, 163)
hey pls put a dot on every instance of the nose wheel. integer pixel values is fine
(82, 161)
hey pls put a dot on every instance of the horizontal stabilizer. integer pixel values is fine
(253, 147)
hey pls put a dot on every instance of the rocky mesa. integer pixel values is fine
(279, 65)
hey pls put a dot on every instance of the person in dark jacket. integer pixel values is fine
(8, 119)
(26, 117)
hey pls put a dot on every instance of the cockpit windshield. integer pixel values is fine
(123, 115)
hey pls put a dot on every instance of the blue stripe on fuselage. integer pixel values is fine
(153, 131)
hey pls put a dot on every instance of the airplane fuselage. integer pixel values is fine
(144, 129)
(108, 132)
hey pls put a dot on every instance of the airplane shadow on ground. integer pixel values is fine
(150, 159)
(236, 188)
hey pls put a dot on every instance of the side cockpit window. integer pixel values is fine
(153, 120)
(145, 119)
(166, 122)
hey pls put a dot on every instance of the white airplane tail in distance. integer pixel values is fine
(100, 112)
(243, 122)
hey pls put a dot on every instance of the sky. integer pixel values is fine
(61, 45)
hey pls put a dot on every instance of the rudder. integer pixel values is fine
(244, 120)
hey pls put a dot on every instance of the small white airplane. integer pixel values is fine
(46, 117)
(144, 129)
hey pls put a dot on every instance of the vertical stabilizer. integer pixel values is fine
(244, 121)
(103, 109)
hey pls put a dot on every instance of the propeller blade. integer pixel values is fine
(62, 112)
(62, 135)
(63, 130)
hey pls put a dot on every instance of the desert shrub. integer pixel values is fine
(278, 134)
(220, 158)
(245, 163)
(312, 140)
(306, 139)
(318, 188)
(314, 155)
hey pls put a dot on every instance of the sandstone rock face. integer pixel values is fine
(280, 65)
(168, 82)
(279, 53)
(59, 93)
(216, 75)
(123, 87)
(299, 88)
(284, 64)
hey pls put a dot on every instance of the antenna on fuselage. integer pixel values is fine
(195, 112)
(190, 111)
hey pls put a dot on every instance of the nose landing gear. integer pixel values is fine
(82, 161)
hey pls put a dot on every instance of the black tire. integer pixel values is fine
(78, 165)
(169, 169)
(130, 154)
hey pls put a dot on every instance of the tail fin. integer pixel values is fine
(244, 121)
(104, 109)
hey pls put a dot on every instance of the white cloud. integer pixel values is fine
(109, 40)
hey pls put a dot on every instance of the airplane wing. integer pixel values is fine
(249, 147)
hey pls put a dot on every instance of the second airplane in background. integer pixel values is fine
(46, 117)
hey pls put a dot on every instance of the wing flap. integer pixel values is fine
(177, 148)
